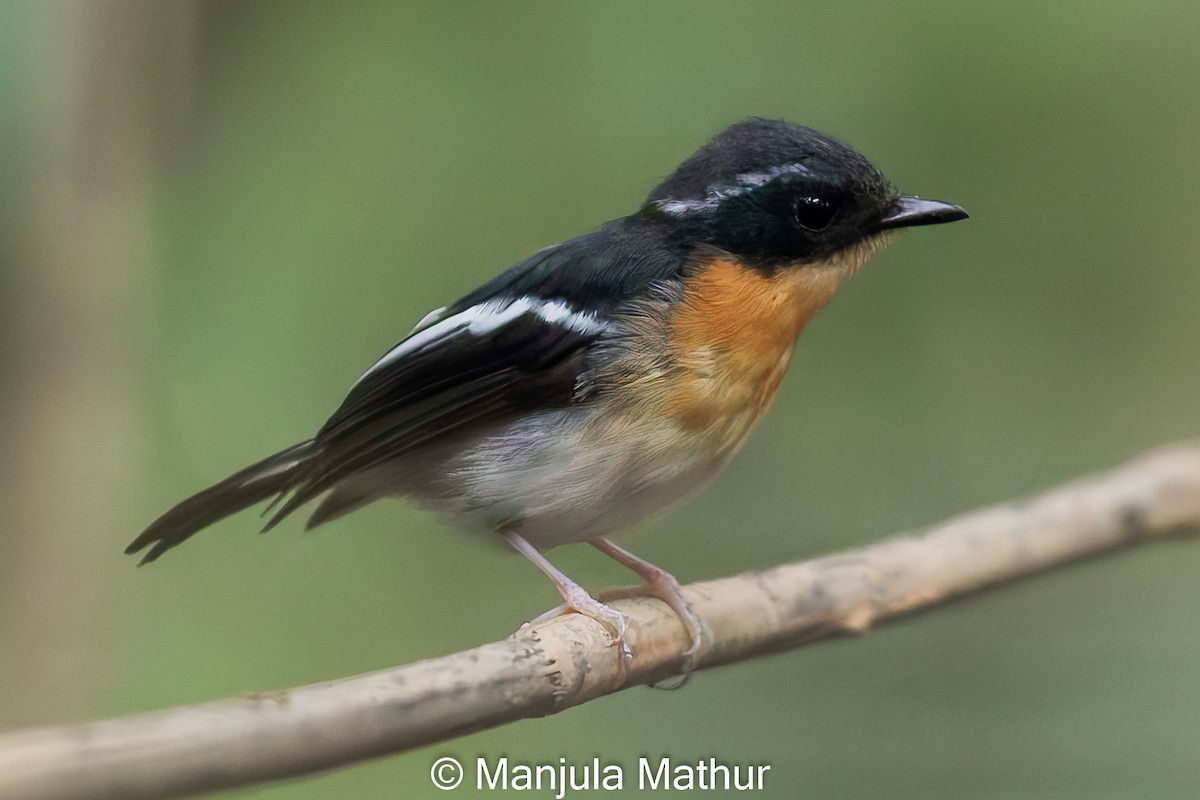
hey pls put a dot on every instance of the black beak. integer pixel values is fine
(908, 212)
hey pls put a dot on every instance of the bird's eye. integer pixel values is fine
(814, 213)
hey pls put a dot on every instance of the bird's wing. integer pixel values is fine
(515, 344)
(484, 358)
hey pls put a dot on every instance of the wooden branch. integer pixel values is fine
(565, 662)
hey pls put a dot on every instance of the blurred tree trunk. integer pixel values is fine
(89, 115)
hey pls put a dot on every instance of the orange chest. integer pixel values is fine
(732, 336)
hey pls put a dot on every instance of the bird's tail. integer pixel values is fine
(270, 477)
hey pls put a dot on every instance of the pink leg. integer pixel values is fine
(577, 599)
(664, 586)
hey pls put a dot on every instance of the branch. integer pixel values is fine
(565, 662)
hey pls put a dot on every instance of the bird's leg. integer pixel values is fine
(664, 586)
(577, 599)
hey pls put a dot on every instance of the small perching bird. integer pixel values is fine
(603, 377)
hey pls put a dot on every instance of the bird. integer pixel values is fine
(602, 378)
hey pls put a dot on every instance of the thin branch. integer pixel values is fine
(565, 662)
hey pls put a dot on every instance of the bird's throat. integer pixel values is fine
(733, 332)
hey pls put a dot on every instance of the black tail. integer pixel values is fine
(271, 476)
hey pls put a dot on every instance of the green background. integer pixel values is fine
(215, 215)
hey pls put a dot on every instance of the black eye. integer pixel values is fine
(814, 213)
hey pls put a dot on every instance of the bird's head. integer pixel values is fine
(777, 194)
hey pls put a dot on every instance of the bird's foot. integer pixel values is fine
(663, 585)
(578, 600)
(616, 623)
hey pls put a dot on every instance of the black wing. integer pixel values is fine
(489, 360)
(483, 363)
(515, 344)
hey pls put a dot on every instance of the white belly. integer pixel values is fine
(556, 481)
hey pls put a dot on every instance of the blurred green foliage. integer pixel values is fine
(328, 173)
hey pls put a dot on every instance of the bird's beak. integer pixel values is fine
(908, 212)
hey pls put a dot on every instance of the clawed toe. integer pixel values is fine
(616, 623)
(577, 599)
(663, 585)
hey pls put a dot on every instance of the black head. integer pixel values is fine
(775, 193)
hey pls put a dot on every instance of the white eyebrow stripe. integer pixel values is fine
(483, 318)
(715, 193)
(681, 208)
(759, 178)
